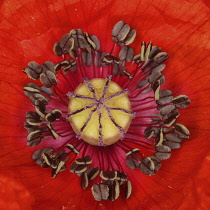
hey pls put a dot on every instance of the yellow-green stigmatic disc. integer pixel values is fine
(111, 120)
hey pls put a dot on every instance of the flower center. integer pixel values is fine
(100, 111)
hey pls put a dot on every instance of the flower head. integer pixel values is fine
(94, 91)
(89, 87)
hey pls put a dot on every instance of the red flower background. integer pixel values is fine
(29, 29)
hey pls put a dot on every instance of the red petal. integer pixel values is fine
(199, 196)
(28, 31)
(13, 194)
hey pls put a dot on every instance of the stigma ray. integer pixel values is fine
(116, 124)
(108, 78)
(123, 110)
(80, 110)
(90, 87)
(116, 94)
(73, 95)
(85, 124)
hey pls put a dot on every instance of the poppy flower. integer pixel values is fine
(30, 32)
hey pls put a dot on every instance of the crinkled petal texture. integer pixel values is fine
(28, 31)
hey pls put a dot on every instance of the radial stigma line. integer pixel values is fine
(116, 124)
(101, 143)
(108, 78)
(116, 94)
(80, 110)
(74, 95)
(90, 87)
(85, 124)
(120, 109)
